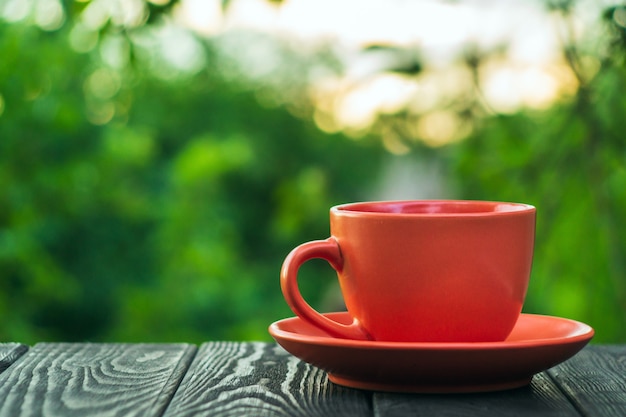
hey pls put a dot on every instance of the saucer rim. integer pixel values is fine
(584, 333)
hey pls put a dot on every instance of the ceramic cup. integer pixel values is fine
(422, 271)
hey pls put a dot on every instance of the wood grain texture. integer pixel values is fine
(541, 398)
(260, 379)
(9, 353)
(62, 379)
(595, 380)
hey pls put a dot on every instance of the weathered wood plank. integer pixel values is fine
(261, 380)
(595, 380)
(62, 379)
(9, 353)
(541, 398)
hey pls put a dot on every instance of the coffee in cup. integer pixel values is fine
(422, 271)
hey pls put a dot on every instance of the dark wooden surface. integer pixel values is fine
(261, 379)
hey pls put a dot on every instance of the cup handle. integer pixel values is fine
(329, 251)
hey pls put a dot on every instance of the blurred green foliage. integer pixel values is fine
(134, 208)
(142, 201)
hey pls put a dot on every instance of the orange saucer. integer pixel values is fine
(536, 344)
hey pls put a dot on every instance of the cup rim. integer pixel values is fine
(402, 208)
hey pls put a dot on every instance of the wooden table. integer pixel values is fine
(261, 379)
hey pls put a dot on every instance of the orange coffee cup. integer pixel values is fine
(422, 271)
